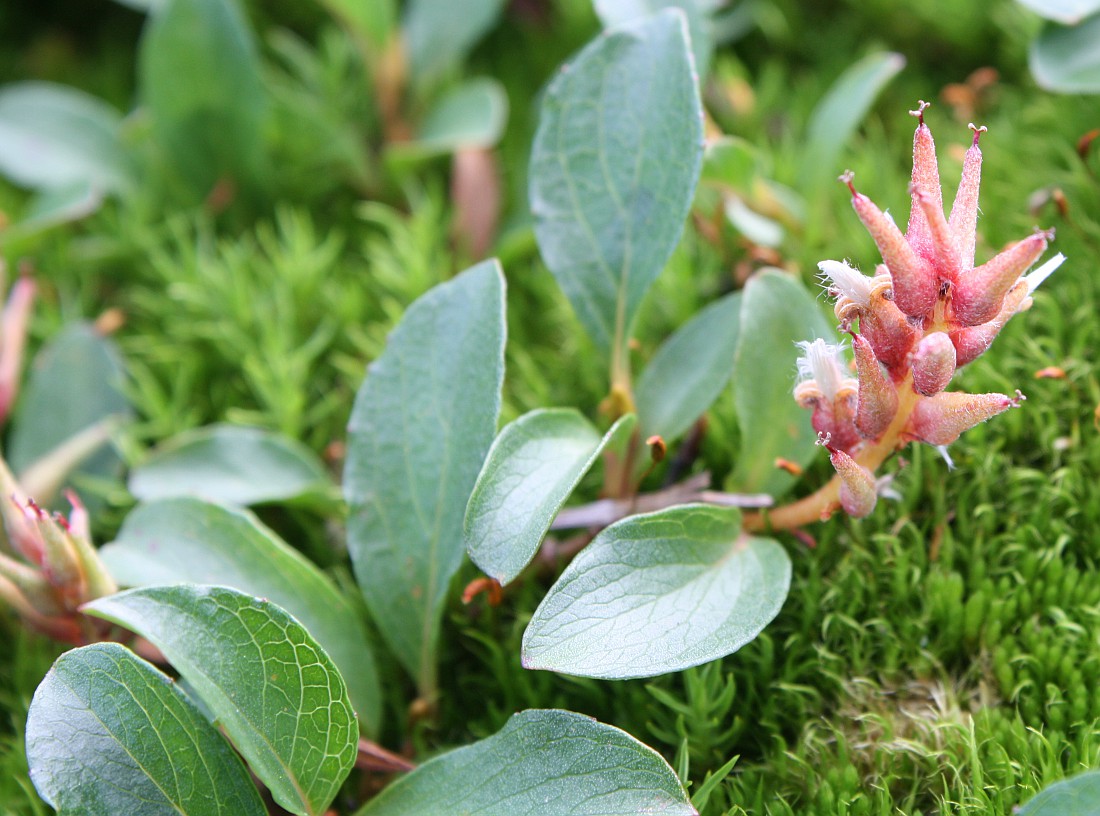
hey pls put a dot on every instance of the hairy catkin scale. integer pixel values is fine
(858, 492)
(939, 420)
(878, 398)
(981, 291)
(973, 341)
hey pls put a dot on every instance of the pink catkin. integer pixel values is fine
(939, 420)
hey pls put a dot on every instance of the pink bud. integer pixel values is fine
(878, 399)
(939, 420)
(933, 364)
(981, 291)
(858, 492)
(964, 212)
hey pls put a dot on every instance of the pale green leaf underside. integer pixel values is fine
(1079, 796)
(53, 136)
(614, 167)
(421, 426)
(276, 693)
(1067, 59)
(1067, 12)
(439, 33)
(697, 13)
(231, 464)
(201, 80)
(532, 468)
(776, 313)
(75, 382)
(657, 593)
(689, 370)
(108, 734)
(192, 541)
(542, 763)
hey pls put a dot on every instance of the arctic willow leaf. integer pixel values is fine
(230, 464)
(533, 466)
(438, 33)
(75, 382)
(200, 76)
(276, 693)
(1067, 58)
(1079, 796)
(689, 370)
(776, 313)
(839, 113)
(697, 13)
(545, 762)
(614, 167)
(193, 541)
(107, 734)
(657, 593)
(422, 423)
(53, 136)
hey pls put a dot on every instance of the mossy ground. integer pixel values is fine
(940, 656)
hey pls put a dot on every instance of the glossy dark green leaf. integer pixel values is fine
(1067, 59)
(657, 593)
(200, 78)
(1079, 796)
(422, 423)
(74, 382)
(839, 113)
(53, 136)
(276, 693)
(614, 13)
(776, 313)
(614, 167)
(193, 541)
(689, 370)
(439, 33)
(532, 468)
(108, 734)
(553, 763)
(231, 464)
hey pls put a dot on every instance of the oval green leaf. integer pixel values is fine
(532, 468)
(200, 77)
(840, 111)
(549, 762)
(231, 464)
(107, 734)
(689, 370)
(53, 136)
(196, 542)
(1079, 796)
(776, 313)
(473, 115)
(439, 33)
(614, 13)
(613, 169)
(276, 693)
(657, 593)
(75, 383)
(422, 423)
(1067, 59)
